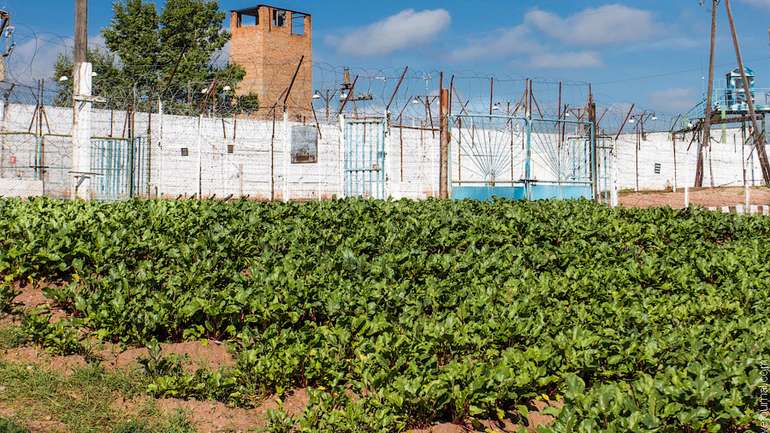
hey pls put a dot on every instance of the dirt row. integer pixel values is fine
(704, 197)
(205, 416)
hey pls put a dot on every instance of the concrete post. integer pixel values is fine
(81, 132)
(200, 157)
(614, 181)
(286, 158)
(687, 181)
(160, 148)
(341, 153)
(392, 162)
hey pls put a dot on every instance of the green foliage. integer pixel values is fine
(168, 53)
(7, 295)
(168, 379)
(336, 412)
(192, 27)
(58, 337)
(83, 402)
(175, 424)
(132, 427)
(133, 35)
(248, 104)
(8, 426)
(109, 78)
(402, 313)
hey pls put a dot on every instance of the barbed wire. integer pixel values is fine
(414, 101)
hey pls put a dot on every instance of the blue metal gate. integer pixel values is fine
(120, 167)
(521, 158)
(364, 157)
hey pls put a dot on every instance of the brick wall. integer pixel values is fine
(270, 55)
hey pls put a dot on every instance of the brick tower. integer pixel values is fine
(268, 43)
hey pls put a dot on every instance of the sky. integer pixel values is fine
(650, 52)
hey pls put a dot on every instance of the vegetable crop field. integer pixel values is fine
(398, 315)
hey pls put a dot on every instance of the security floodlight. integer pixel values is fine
(496, 107)
(63, 78)
(567, 114)
(632, 120)
(94, 74)
(227, 88)
(316, 95)
(654, 117)
(416, 101)
(204, 91)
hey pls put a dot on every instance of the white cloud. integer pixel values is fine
(610, 24)
(402, 30)
(34, 58)
(502, 42)
(576, 60)
(539, 33)
(674, 100)
(763, 4)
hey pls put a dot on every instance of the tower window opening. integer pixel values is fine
(279, 18)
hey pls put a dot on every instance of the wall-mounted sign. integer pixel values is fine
(304, 144)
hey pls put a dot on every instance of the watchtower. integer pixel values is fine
(736, 98)
(268, 42)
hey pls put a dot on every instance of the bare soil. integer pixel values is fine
(534, 420)
(64, 365)
(215, 417)
(32, 296)
(209, 354)
(704, 197)
(206, 416)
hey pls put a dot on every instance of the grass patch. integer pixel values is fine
(11, 336)
(84, 401)
(9, 426)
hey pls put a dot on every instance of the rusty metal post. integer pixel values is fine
(444, 144)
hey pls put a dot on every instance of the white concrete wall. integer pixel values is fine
(728, 160)
(412, 169)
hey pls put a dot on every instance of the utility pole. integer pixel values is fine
(81, 30)
(82, 101)
(444, 143)
(706, 139)
(759, 134)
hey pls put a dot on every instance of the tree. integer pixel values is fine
(167, 55)
(133, 36)
(108, 79)
(190, 34)
(247, 104)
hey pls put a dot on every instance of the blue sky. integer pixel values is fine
(652, 52)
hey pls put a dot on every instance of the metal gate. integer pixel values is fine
(120, 168)
(521, 158)
(364, 157)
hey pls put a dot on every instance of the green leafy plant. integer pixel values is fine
(58, 337)
(7, 295)
(8, 426)
(397, 314)
(168, 379)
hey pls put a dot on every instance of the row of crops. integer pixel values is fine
(399, 314)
